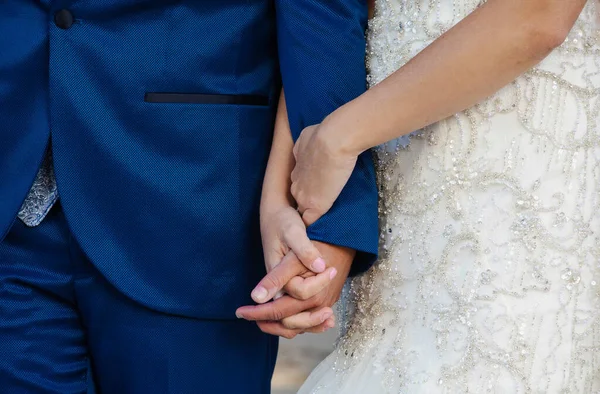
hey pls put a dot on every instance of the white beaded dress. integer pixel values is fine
(489, 276)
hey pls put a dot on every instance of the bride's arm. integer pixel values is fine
(477, 57)
(484, 52)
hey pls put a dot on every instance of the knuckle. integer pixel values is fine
(291, 289)
(271, 281)
(302, 293)
(294, 188)
(300, 196)
(289, 324)
(289, 335)
(310, 202)
(277, 314)
(307, 201)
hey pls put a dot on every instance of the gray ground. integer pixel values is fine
(298, 357)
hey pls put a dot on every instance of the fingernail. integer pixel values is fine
(239, 315)
(332, 274)
(259, 294)
(318, 265)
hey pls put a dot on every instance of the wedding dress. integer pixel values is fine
(489, 276)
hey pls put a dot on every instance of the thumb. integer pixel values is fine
(275, 280)
(297, 240)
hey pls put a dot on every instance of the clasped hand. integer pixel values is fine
(305, 278)
(291, 298)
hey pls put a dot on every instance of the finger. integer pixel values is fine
(329, 324)
(276, 310)
(275, 280)
(305, 288)
(297, 240)
(294, 189)
(294, 179)
(273, 258)
(274, 250)
(306, 320)
(310, 216)
(277, 329)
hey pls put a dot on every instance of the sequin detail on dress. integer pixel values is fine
(42, 196)
(489, 278)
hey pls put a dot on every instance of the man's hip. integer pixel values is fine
(63, 323)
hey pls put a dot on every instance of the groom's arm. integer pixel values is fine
(322, 55)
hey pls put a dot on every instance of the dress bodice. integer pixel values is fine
(401, 29)
(488, 280)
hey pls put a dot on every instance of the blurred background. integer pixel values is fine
(297, 357)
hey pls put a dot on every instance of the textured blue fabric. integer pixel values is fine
(64, 329)
(322, 51)
(163, 197)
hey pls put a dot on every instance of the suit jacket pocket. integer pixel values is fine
(198, 98)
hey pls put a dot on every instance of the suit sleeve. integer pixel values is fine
(322, 58)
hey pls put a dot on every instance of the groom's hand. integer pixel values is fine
(306, 307)
(285, 240)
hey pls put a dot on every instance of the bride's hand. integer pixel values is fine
(323, 168)
(289, 255)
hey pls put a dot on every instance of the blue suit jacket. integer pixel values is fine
(161, 116)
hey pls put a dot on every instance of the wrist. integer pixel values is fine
(342, 132)
(276, 193)
(272, 204)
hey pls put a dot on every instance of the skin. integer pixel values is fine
(303, 299)
(484, 52)
(288, 316)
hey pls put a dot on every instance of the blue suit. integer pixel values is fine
(160, 114)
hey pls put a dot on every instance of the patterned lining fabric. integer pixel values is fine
(42, 196)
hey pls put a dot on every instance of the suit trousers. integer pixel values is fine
(65, 329)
